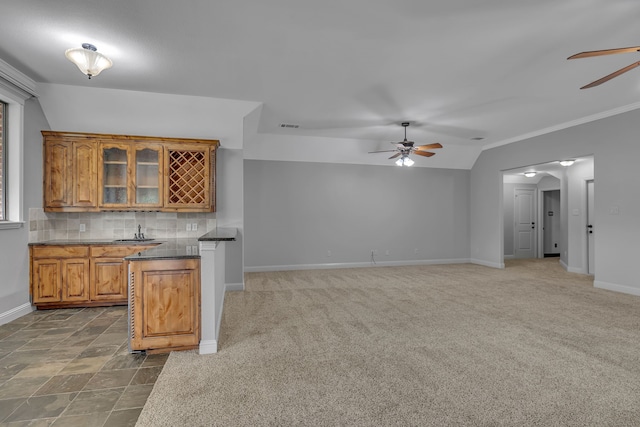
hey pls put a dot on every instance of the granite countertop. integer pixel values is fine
(177, 248)
(219, 235)
(59, 242)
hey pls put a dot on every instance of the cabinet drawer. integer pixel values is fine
(46, 251)
(118, 251)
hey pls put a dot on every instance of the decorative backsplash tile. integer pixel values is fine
(45, 226)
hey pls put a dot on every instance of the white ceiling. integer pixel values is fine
(355, 69)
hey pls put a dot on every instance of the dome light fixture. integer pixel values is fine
(567, 162)
(88, 59)
(530, 174)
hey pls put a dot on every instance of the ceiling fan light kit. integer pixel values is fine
(567, 162)
(529, 174)
(608, 77)
(88, 59)
(405, 148)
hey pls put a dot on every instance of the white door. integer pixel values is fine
(525, 225)
(590, 229)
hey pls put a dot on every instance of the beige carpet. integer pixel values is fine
(427, 345)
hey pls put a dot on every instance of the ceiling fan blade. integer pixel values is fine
(394, 156)
(429, 146)
(382, 151)
(591, 53)
(612, 75)
(424, 153)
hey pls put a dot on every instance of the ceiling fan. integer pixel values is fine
(405, 148)
(608, 52)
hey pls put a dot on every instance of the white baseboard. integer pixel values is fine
(564, 265)
(208, 347)
(15, 313)
(487, 263)
(617, 288)
(233, 287)
(268, 268)
(576, 270)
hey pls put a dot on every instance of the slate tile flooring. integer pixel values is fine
(71, 367)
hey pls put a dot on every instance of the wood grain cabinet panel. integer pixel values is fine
(165, 304)
(109, 279)
(46, 281)
(70, 182)
(75, 279)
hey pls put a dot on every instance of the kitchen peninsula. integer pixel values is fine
(175, 286)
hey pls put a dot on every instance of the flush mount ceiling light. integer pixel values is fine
(567, 162)
(404, 161)
(88, 59)
(529, 174)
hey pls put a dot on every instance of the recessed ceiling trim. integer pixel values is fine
(565, 125)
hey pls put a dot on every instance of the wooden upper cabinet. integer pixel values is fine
(69, 174)
(92, 172)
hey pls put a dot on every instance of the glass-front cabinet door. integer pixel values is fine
(148, 176)
(114, 164)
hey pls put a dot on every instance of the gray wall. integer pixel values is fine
(614, 143)
(295, 212)
(14, 251)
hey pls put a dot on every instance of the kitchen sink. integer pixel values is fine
(134, 240)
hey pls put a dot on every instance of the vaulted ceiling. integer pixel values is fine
(458, 70)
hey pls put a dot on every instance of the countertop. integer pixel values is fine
(178, 248)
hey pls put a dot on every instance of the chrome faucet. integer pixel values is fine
(140, 235)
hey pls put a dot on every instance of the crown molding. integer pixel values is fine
(23, 85)
(565, 125)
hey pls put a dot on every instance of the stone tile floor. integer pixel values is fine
(71, 367)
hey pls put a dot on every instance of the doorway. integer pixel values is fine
(551, 225)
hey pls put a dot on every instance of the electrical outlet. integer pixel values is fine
(194, 226)
(387, 252)
(188, 250)
(416, 250)
(83, 228)
(194, 250)
(189, 229)
(328, 253)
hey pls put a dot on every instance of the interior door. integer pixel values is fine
(590, 229)
(525, 223)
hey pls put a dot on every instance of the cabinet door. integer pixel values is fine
(187, 181)
(113, 177)
(75, 279)
(58, 188)
(85, 181)
(165, 304)
(148, 176)
(46, 282)
(109, 280)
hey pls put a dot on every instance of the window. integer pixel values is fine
(15, 89)
(3, 169)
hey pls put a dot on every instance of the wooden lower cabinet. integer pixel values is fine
(109, 279)
(79, 276)
(164, 304)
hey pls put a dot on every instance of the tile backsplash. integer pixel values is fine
(116, 225)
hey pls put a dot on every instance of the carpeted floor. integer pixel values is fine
(425, 346)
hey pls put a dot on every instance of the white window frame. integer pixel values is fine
(15, 89)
